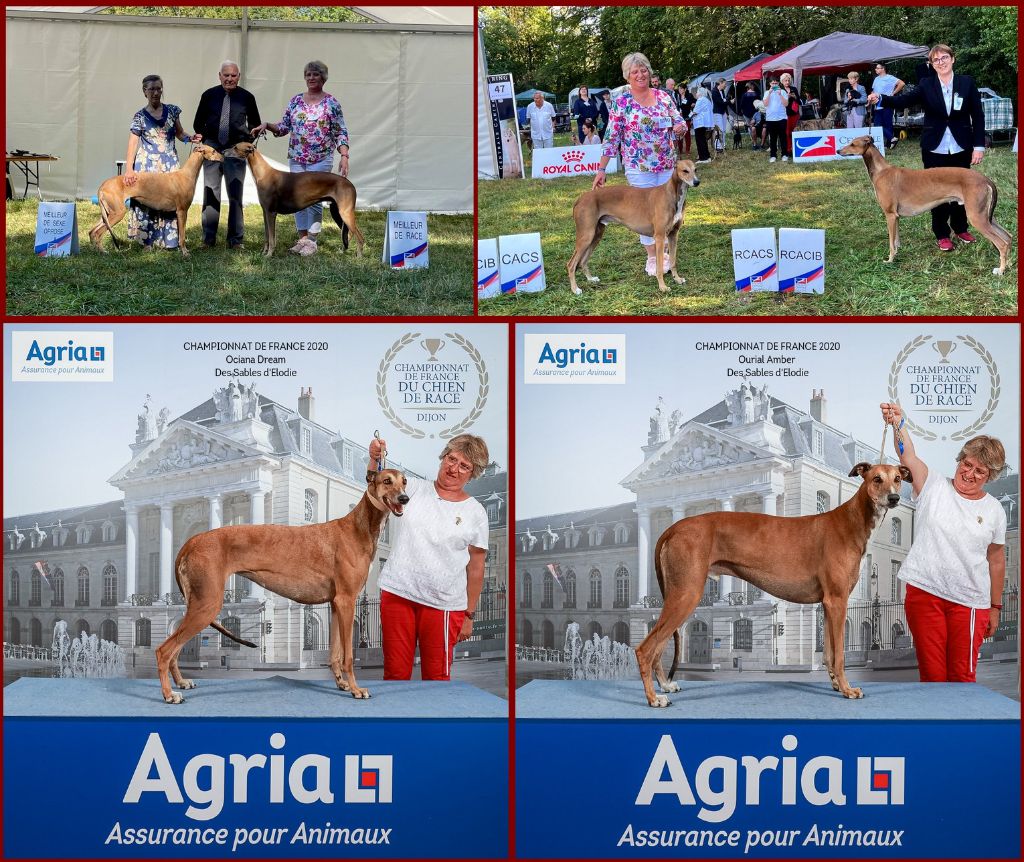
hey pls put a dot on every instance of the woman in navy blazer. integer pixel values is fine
(953, 133)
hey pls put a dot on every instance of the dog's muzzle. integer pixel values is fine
(397, 507)
(696, 182)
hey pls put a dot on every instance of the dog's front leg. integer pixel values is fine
(673, 240)
(835, 619)
(269, 232)
(182, 215)
(892, 221)
(336, 651)
(345, 611)
(659, 261)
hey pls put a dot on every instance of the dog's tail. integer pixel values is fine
(185, 591)
(675, 634)
(216, 625)
(336, 215)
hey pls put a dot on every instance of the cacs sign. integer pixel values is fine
(574, 358)
(824, 145)
(552, 162)
(720, 783)
(60, 356)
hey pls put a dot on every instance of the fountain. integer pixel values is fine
(86, 655)
(597, 658)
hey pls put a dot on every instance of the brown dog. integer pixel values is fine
(171, 191)
(909, 192)
(282, 193)
(815, 558)
(317, 563)
(656, 212)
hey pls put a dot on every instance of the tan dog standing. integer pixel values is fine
(910, 192)
(283, 193)
(809, 559)
(168, 192)
(656, 212)
(317, 563)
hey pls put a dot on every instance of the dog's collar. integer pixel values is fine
(375, 503)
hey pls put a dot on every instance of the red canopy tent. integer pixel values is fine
(753, 71)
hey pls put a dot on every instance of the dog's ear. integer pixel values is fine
(906, 474)
(860, 469)
(370, 474)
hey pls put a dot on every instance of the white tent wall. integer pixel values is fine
(486, 154)
(73, 86)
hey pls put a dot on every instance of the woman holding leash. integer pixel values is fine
(643, 123)
(956, 567)
(151, 148)
(953, 134)
(317, 127)
(431, 582)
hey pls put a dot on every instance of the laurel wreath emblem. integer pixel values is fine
(993, 398)
(402, 425)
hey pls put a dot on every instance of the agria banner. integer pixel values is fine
(196, 788)
(769, 789)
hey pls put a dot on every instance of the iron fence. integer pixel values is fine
(366, 632)
(883, 624)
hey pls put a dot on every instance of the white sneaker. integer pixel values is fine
(300, 245)
(785, 158)
(703, 161)
(772, 159)
(308, 248)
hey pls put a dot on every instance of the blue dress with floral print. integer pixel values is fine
(156, 153)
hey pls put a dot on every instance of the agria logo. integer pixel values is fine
(368, 778)
(719, 782)
(62, 356)
(577, 358)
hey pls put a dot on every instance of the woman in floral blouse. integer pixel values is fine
(643, 125)
(151, 148)
(317, 128)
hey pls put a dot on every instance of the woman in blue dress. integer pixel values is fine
(151, 148)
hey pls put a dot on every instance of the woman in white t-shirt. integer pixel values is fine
(432, 579)
(956, 568)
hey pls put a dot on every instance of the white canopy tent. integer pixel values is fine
(404, 83)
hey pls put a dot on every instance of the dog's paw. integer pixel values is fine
(997, 271)
(679, 279)
(853, 693)
(593, 279)
(576, 291)
(671, 687)
(660, 701)
(360, 694)
(174, 697)
(342, 684)
(187, 684)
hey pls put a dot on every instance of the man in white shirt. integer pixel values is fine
(885, 85)
(542, 121)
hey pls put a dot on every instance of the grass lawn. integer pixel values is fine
(740, 189)
(217, 281)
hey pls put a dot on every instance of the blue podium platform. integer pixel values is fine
(254, 768)
(766, 770)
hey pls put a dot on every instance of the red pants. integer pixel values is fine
(403, 624)
(947, 636)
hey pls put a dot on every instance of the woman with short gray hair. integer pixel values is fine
(643, 122)
(956, 567)
(317, 127)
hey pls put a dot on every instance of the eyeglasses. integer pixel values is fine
(969, 468)
(458, 464)
(941, 58)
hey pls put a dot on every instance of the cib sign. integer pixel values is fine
(801, 260)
